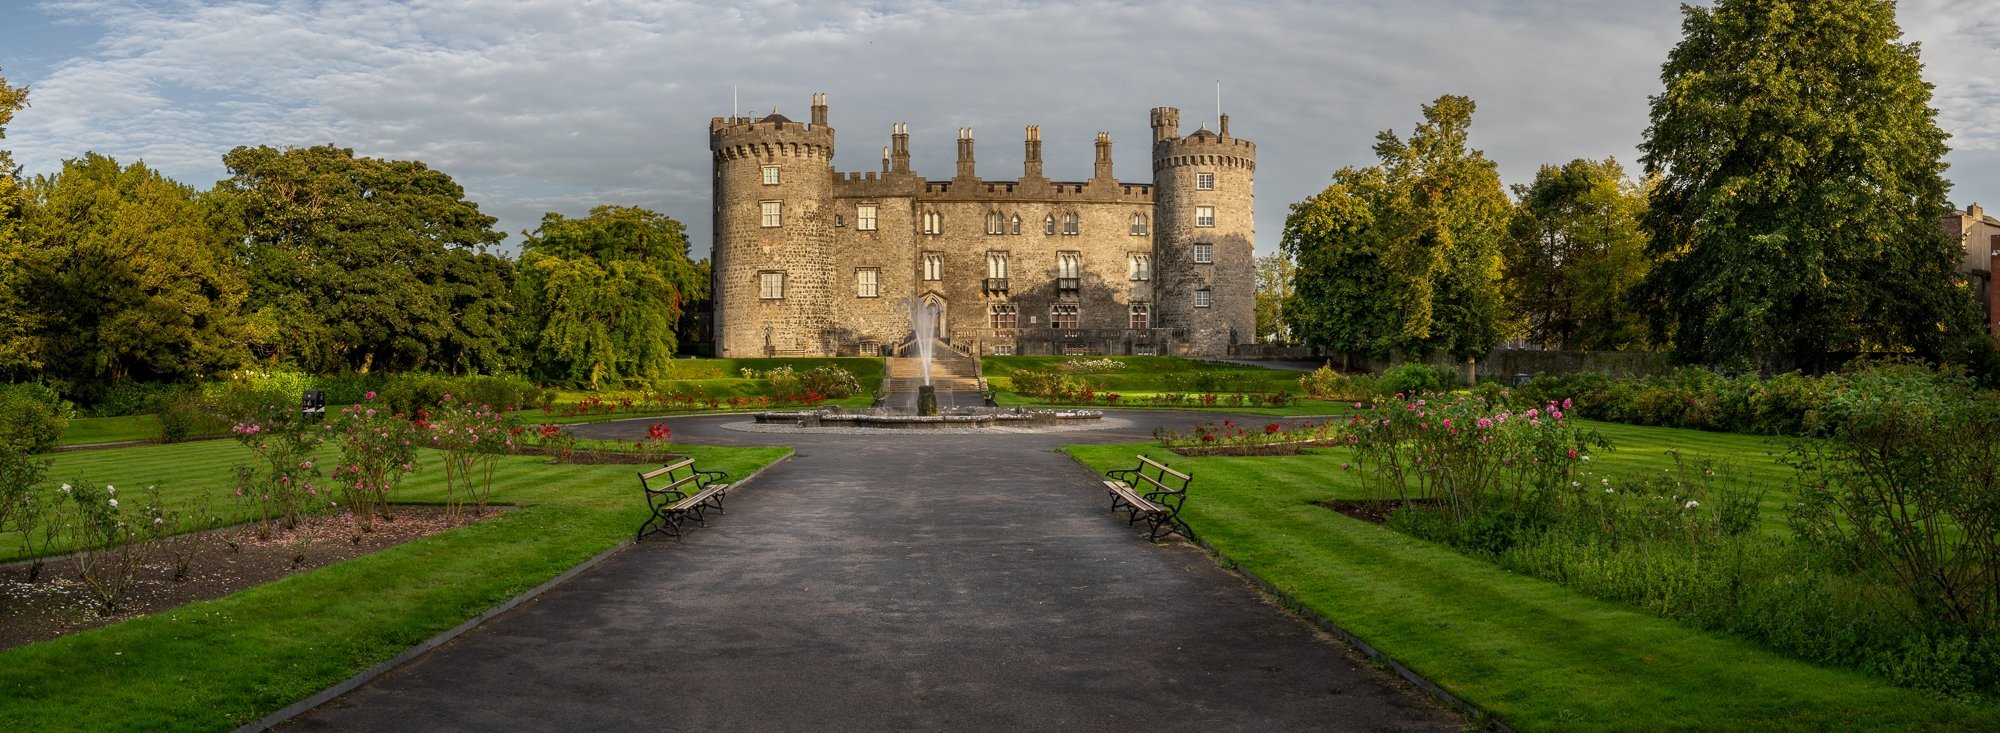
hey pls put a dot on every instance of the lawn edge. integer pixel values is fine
(368, 675)
(1484, 719)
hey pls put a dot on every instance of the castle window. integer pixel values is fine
(933, 265)
(1201, 298)
(1069, 223)
(839, 221)
(864, 218)
(1204, 181)
(1017, 223)
(996, 264)
(1142, 316)
(771, 285)
(1138, 225)
(770, 175)
(1063, 315)
(1140, 266)
(995, 224)
(933, 222)
(867, 283)
(1049, 224)
(773, 213)
(1003, 349)
(1003, 316)
(1204, 254)
(1069, 271)
(1204, 216)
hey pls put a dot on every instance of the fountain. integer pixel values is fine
(924, 322)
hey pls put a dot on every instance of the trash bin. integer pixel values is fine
(313, 405)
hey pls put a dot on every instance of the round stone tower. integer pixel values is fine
(1204, 241)
(773, 250)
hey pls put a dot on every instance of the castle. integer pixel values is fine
(810, 261)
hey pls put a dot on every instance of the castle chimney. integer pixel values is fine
(965, 153)
(1224, 124)
(1166, 124)
(1103, 156)
(899, 147)
(819, 110)
(885, 159)
(1033, 167)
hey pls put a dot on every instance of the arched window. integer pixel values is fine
(1069, 223)
(933, 222)
(1017, 223)
(1049, 224)
(1138, 225)
(995, 224)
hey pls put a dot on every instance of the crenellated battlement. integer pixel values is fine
(772, 136)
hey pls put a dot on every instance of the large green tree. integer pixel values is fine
(1574, 251)
(602, 295)
(131, 278)
(1404, 255)
(19, 352)
(1800, 186)
(366, 264)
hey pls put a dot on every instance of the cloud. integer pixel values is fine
(558, 105)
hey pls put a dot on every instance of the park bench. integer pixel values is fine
(677, 491)
(1155, 497)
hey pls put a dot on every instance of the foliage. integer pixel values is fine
(377, 448)
(1413, 378)
(1404, 255)
(32, 417)
(472, 438)
(1799, 132)
(1275, 273)
(19, 349)
(21, 475)
(112, 550)
(280, 484)
(1574, 250)
(602, 296)
(1480, 465)
(1268, 439)
(361, 264)
(132, 279)
(1091, 366)
(407, 393)
(1909, 484)
(829, 381)
(1325, 382)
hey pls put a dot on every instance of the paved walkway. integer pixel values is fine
(905, 582)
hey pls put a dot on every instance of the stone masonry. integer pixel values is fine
(857, 252)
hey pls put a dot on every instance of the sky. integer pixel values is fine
(537, 106)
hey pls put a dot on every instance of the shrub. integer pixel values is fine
(1091, 366)
(32, 417)
(1325, 383)
(472, 438)
(132, 398)
(1041, 383)
(187, 413)
(282, 485)
(377, 448)
(828, 380)
(1412, 378)
(782, 380)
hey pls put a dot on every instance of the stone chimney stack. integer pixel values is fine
(885, 159)
(965, 169)
(1224, 124)
(1103, 156)
(899, 147)
(819, 110)
(1033, 167)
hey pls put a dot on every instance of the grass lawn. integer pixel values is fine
(1151, 374)
(1537, 655)
(87, 430)
(1298, 408)
(217, 664)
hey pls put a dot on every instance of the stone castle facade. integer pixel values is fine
(810, 261)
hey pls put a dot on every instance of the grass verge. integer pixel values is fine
(1535, 654)
(214, 665)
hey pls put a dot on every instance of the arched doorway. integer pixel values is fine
(935, 308)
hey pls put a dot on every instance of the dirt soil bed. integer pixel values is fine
(1373, 512)
(58, 603)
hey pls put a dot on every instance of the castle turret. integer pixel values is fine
(773, 247)
(1203, 236)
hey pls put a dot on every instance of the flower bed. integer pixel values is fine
(1269, 439)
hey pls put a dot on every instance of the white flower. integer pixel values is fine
(1586, 459)
(1575, 484)
(1608, 490)
(109, 489)
(65, 488)
(114, 503)
(1691, 504)
(158, 521)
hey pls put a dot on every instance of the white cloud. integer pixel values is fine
(548, 104)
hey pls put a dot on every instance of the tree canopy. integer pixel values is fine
(1404, 255)
(1274, 290)
(1574, 251)
(358, 263)
(18, 351)
(603, 295)
(1800, 184)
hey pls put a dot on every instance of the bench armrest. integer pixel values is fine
(712, 475)
(1126, 473)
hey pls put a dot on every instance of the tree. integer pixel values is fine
(1274, 290)
(358, 263)
(602, 296)
(18, 350)
(1800, 186)
(1404, 255)
(1574, 251)
(131, 279)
